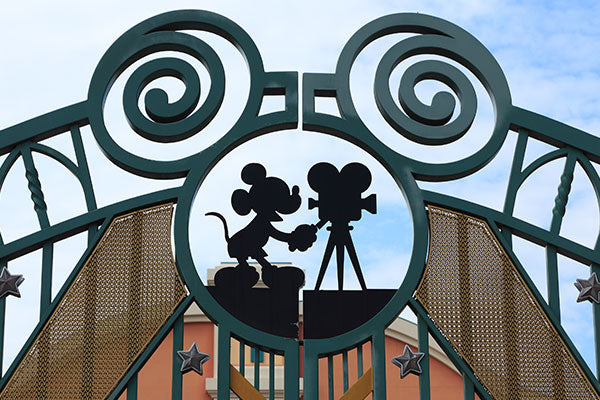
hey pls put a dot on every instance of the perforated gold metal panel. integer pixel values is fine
(124, 293)
(477, 298)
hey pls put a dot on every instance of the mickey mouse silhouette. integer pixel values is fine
(267, 197)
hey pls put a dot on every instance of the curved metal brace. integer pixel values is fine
(7, 165)
(57, 156)
(540, 162)
(592, 175)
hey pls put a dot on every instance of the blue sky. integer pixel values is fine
(547, 50)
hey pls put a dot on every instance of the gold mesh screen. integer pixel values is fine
(124, 293)
(476, 297)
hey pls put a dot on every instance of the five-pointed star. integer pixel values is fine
(192, 359)
(408, 362)
(9, 283)
(589, 289)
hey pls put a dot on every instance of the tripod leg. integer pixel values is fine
(325, 262)
(339, 252)
(355, 263)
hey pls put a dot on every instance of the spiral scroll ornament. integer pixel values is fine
(426, 124)
(159, 120)
(454, 55)
(169, 122)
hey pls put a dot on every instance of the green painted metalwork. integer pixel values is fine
(330, 377)
(455, 358)
(424, 379)
(224, 339)
(359, 360)
(596, 269)
(176, 376)
(271, 376)
(468, 392)
(165, 122)
(345, 371)
(256, 368)
(242, 362)
(139, 363)
(132, 387)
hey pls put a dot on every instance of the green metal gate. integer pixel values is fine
(464, 283)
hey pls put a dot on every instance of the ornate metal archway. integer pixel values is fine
(464, 283)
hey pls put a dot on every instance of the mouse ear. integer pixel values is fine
(240, 200)
(253, 173)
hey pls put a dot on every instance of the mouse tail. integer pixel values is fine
(216, 214)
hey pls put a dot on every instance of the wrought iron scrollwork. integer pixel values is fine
(169, 122)
(457, 60)
(433, 124)
(166, 122)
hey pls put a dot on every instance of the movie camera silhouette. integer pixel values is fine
(340, 201)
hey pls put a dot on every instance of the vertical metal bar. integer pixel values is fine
(330, 376)
(84, 177)
(176, 377)
(311, 375)
(378, 359)
(256, 368)
(223, 383)
(39, 205)
(271, 376)
(242, 358)
(554, 303)
(345, 370)
(292, 371)
(558, 212)
(41, 209)
(46, 289)
(2, 318)
(424, 379)
(514, 180)
(359, 360)
(596, 312)
(552, 278)
(132, 388)
(468, 390)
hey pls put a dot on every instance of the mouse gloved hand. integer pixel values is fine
(302, 237)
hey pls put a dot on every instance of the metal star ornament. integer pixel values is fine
(409, 362)
(192, 359)
(589, 289)
(9, 284)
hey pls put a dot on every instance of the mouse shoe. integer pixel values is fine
(288, 278)
(239, 277)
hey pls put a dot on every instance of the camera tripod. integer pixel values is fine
(339, 237)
